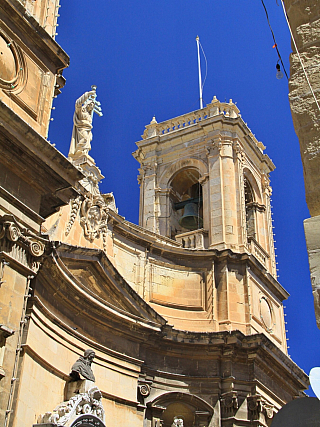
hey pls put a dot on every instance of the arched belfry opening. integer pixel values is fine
(186, 202)
(250, 209)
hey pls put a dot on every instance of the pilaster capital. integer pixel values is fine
(12, 234)
(229, 403)
(257, 406)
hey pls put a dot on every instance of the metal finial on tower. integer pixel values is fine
(199, 69)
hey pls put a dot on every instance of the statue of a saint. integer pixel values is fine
(82, 367)
(81, 138)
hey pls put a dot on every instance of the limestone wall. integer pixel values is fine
(49, 353)
(29, 77)
(304, 16)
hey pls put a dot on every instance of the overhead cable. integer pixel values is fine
(274, 39)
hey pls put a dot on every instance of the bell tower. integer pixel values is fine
(204, 182)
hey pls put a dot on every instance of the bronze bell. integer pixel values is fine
(190, 219)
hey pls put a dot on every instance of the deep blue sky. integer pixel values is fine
(142, 56)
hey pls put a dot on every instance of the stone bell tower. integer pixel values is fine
(204, 184)
(204, 181)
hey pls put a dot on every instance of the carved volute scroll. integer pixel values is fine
(20, 243)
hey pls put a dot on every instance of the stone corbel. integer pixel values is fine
(5, 332)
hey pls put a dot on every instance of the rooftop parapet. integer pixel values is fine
(214, 109)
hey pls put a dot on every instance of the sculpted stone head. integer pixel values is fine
(89, 354)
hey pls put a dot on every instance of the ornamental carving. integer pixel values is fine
(20, 243)
(258, 406)
(74, 209)
(13, 71)
(80, 404)
(229, 403)
(93, 216)
(265, 183)
(144, 389)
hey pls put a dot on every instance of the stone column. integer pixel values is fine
(216, 222)
(149, 219)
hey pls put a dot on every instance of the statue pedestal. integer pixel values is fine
(77, 387)
(87, 165)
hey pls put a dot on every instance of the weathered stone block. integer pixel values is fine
(312, 233)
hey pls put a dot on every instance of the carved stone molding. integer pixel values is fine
(74, 209)
(93, 216)
(265, 183)
(203, 179)
(229, 404)
(144, 389)
(82, 403)
(258, 406)
(20, 243)
(12, 65)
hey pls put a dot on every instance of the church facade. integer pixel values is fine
(183, 313)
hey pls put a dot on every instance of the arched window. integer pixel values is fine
(186, 201)
(250, 209)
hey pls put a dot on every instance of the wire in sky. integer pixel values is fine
(205, 58)
(274, 39)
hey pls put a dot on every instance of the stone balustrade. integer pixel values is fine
(258, 252)
(193, 239)
(215, 108)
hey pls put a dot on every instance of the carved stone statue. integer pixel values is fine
(81, 138)
(82, 367)
(89, 402)
(177, 421)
